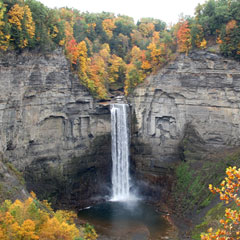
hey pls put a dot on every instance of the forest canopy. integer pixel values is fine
(110, 52)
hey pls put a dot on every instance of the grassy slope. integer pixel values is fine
(202, 165)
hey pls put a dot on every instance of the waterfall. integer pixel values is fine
(120, 152)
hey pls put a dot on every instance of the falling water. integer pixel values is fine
(120, 152)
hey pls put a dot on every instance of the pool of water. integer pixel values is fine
(133, 220)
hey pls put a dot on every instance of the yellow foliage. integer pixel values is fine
(98, 75)
(27, 230)
(146, 29)
(54, 32)
(16, 14)
(30, 25)
(61, 42)
(135, 53)
(52, 229)
(33, 220)
(203, 44)
(105, 52)
(146, 65)
(4, 38)
(228, 191)
(108, 26)
(83, 60)
(21, 17)
(134, 76)
(115, 66)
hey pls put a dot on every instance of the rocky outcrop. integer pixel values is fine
(201, 90)
(52, 129)
(12, 184)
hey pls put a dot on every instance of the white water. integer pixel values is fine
(120, 152)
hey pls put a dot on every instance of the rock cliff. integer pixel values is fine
(201, 90)
(52, 129)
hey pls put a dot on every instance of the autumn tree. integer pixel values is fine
(22, 25)
(98, 76)
(108, 26)
(82, 61)
(135, 74)
(230, 39)
(146, 29)
(4, 31)
(184, 37)
(116, 68)
(229, 192)
(33, 220)
(72, 51)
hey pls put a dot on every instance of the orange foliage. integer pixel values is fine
(184, 37)
(231, 25)
(108, 26)
(98, 76)
(71, 51)
(229, 191)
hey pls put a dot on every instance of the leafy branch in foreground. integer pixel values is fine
(33, 219)
(229, 228)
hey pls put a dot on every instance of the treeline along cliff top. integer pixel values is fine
(110, 52)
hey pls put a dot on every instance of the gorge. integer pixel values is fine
(58, 135)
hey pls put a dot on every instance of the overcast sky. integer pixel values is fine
(166, 10)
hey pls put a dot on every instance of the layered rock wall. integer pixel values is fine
(49, 124)
(201, 90)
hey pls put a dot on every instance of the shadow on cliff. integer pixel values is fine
(80, 182)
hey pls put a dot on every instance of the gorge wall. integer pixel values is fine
(200, 92)
(52, 129)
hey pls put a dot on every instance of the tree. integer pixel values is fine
(108, 26)
(22, 25)
(82, 59)
(4, 31)
(229, 192)
(184, 37)
(116, 68)
(230, 40)
(32, 220)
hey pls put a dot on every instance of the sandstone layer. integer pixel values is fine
(201, 90)
(52, 129)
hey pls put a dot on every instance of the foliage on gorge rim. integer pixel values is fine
(229, 192)
(34, 219)
(108, 51)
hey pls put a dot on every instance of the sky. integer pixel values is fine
(166, 10)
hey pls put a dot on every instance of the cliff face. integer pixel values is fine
(201, 90)
(50, 127)
(59, 137)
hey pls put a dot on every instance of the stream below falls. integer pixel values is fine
(132, 220)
